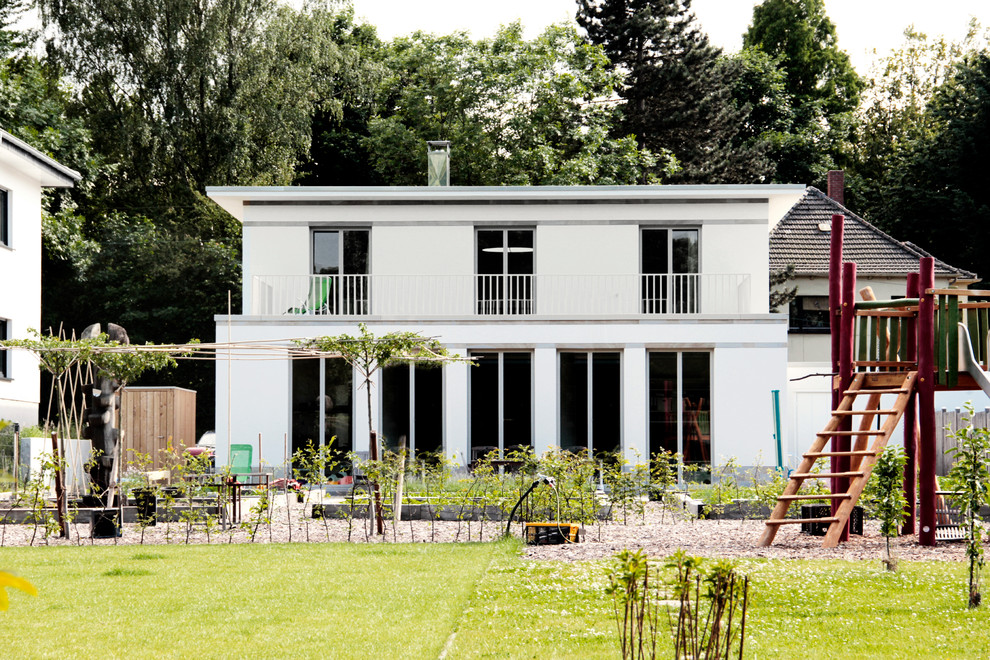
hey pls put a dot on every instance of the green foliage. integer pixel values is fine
(634, 601)
(811, 132)
(678, 89)
(969, 479)
(890, 501)
(518, 112)
(780, 295)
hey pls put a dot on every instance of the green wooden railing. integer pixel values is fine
(882, 334)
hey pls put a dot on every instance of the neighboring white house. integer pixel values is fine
(610, 318)
(24, 171)
(801, 239)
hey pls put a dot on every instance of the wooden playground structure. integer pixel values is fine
(904, 350)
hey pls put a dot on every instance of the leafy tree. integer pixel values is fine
(891, 503)
(781, 297)
(517, 112)
(819, 79)
(969, 479)
(677, 91)
(894, 117)
(367, 353)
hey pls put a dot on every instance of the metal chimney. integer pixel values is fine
(438, 163)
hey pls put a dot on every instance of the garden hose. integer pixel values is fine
(540, 478)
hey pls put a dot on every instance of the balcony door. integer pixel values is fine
(340, 267)
(505, 271)
(670, 281)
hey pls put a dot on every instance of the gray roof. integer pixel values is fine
(802, 238)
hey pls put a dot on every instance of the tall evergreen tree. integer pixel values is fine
(823, 87)
(677, 91)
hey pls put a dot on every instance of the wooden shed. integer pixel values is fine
(150, 417)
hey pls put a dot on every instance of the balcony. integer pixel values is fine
(499, 296)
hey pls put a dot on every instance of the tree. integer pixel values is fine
(969, 479)
(894, 119)
(366, 354)
(677, 90)
(517, 112)
(891, 503)
(819, 79)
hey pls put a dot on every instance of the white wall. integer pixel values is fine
(739, 249)
(587, 250)
(426, 250)
(749, 361)
(20, 293)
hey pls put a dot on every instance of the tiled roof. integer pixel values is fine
(801, 239)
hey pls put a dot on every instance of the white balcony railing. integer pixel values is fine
(457, 296)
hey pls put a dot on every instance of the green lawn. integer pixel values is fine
(417, 601)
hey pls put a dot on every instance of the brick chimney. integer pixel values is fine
(837, 186)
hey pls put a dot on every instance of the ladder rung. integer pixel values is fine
(824, 475)
(801, 521)
(900, 390)
(852, 433)
(822, 454)
(864, 412)
(827, 496)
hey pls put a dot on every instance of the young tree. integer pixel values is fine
(367, 353)
(677, 90)
(891, 503)
(969, 479)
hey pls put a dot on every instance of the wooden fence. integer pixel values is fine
(948, 422)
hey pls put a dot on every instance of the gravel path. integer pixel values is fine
(659, 533)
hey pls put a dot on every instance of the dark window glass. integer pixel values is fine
(606, 405)
(429, 409)
(332, 405)
(663, 402)
(655, 257)
(685, 250)
(333, 255)
(491, 252)
(573, 401)
(484, 404)
(4, 218)
(696, 389)
(4, 352)
(395, 405)
(808, 314)
(356, 252)
(517, 395)
(520, 252)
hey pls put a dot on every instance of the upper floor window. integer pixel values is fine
(808, 314)
(4, 352)
(4, 217)
(669, 259)
(340, 257)
(505, 271)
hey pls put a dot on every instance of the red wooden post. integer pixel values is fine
(847, 330)
(835, 310)
(926, 402)
(910, 343)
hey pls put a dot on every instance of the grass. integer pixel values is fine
(474, 600)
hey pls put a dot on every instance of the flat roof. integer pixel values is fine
(51, 173)
(233, 199)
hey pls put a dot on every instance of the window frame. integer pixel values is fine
(5, 215)
(501, 353)
(589, 395)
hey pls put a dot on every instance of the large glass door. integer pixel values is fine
(412, 407)
(321, 404)
(680, 408)
(670, 264)
(501, 402)
(340, 266)
(590, 402)
(505, 271)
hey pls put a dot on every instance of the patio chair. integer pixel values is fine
(240, 461)
(318, 300)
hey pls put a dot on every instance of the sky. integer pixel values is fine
(866, 28)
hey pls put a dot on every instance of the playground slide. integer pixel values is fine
(968, 363)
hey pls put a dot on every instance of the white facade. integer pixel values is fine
(24, 171)
(582, 318)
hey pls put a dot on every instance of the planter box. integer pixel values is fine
(824, 511)
(106, 524)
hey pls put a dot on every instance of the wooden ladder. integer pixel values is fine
(861, 458)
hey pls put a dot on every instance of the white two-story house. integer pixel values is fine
(624, 319)
(24, 172)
